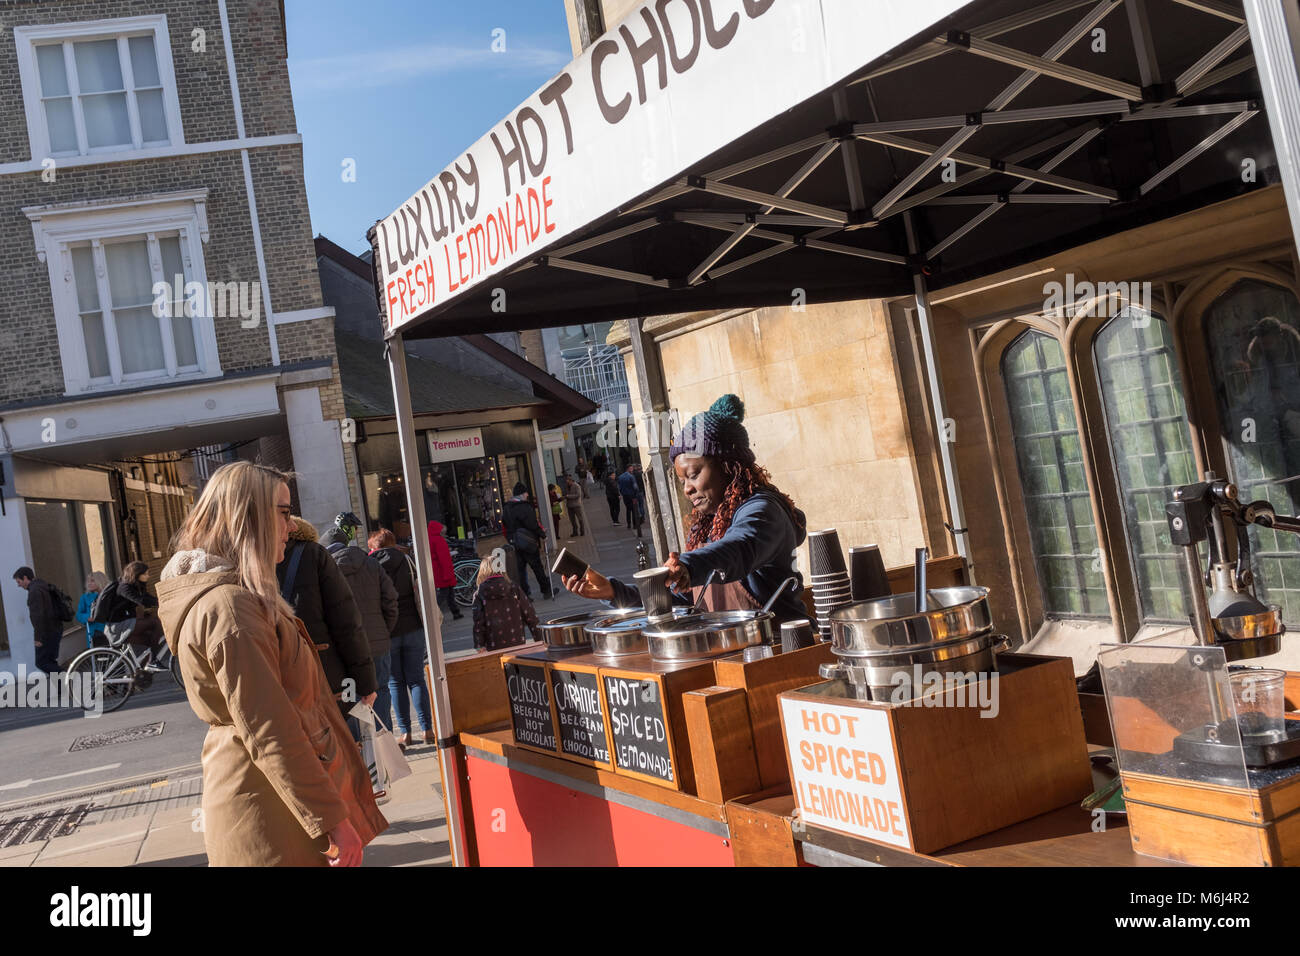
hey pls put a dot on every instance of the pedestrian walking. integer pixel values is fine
(96, 581)
(43, 609)
(406, 683)
(376, 598)
(612, 496)
(282, 784)
(557, 506)
(319, 594)
(501, 611)
(630, 490)
(573, 495)
(525, 534)
(444, 570)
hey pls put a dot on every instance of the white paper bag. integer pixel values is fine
(379, 749)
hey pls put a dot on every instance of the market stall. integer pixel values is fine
(624, 188)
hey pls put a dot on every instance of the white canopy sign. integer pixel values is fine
(675, 81)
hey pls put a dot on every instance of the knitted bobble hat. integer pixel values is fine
(717, 432)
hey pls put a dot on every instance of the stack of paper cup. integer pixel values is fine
(830, 577)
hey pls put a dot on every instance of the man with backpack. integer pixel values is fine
(49, 609)
(524, 532)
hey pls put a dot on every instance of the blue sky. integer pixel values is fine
(403, 87)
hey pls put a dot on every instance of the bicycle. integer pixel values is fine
(118, 672)
(466, 571)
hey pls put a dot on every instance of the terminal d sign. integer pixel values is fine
(672, 83)
(455, 444)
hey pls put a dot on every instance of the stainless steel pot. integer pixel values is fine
(698, 637)
(891, 623)
(569, 632)
(903, 677)
(622, 636)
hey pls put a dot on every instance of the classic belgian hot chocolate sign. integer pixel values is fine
(844, 771)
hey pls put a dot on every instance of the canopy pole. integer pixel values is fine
(396, 354)
(923, 317)
(1274, 39)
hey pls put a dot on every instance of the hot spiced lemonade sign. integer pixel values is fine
(844, 771)
(670, 84)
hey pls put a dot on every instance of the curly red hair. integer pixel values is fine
(744, 481)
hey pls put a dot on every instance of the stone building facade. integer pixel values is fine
(140, 141)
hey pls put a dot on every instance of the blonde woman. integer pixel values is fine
(283, 783)
(501, 610)
(96, 581)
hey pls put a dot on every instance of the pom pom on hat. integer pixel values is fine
(729, 406)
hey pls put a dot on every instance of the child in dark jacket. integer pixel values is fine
(500, 610)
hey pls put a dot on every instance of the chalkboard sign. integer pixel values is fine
(530, 704)
(640, 728)
(580, 715)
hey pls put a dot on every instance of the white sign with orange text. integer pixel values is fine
(844, 771)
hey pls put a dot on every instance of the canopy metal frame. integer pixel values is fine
(779, 217)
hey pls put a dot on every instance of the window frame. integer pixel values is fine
(1119, 545)
(58, 230)
(27, 38)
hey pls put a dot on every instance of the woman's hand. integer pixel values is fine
(679, 576)
(345, 845)
(592, 584)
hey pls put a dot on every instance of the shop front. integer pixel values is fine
(1059, 457)
(466, 476)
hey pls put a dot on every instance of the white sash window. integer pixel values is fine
(99, 86)
(119, 273)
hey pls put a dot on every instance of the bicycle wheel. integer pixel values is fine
(466, 582)
(175, 667)
(109, 674)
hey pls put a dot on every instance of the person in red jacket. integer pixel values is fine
(444, 576)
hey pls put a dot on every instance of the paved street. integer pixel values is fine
(155, 827)
(38, 758)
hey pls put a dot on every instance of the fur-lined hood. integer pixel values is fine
(303, 530)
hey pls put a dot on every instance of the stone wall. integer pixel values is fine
(823, 410)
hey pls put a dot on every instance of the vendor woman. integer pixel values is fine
(742, 526)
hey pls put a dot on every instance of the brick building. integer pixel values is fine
(139, 142)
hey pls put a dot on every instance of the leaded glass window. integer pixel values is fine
(1049, 456)
(1253, 336)
(1146, 422)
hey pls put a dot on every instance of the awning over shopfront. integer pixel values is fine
(705, 155)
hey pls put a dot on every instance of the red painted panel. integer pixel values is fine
(522, 820)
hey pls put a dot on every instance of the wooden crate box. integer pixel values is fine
(927, 777)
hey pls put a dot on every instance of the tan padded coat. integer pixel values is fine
(280, 768)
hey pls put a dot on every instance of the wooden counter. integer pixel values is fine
(1063, 837)
(603, 818)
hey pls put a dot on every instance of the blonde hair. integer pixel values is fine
(99, 578)
(486, 568)
(235, 519)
